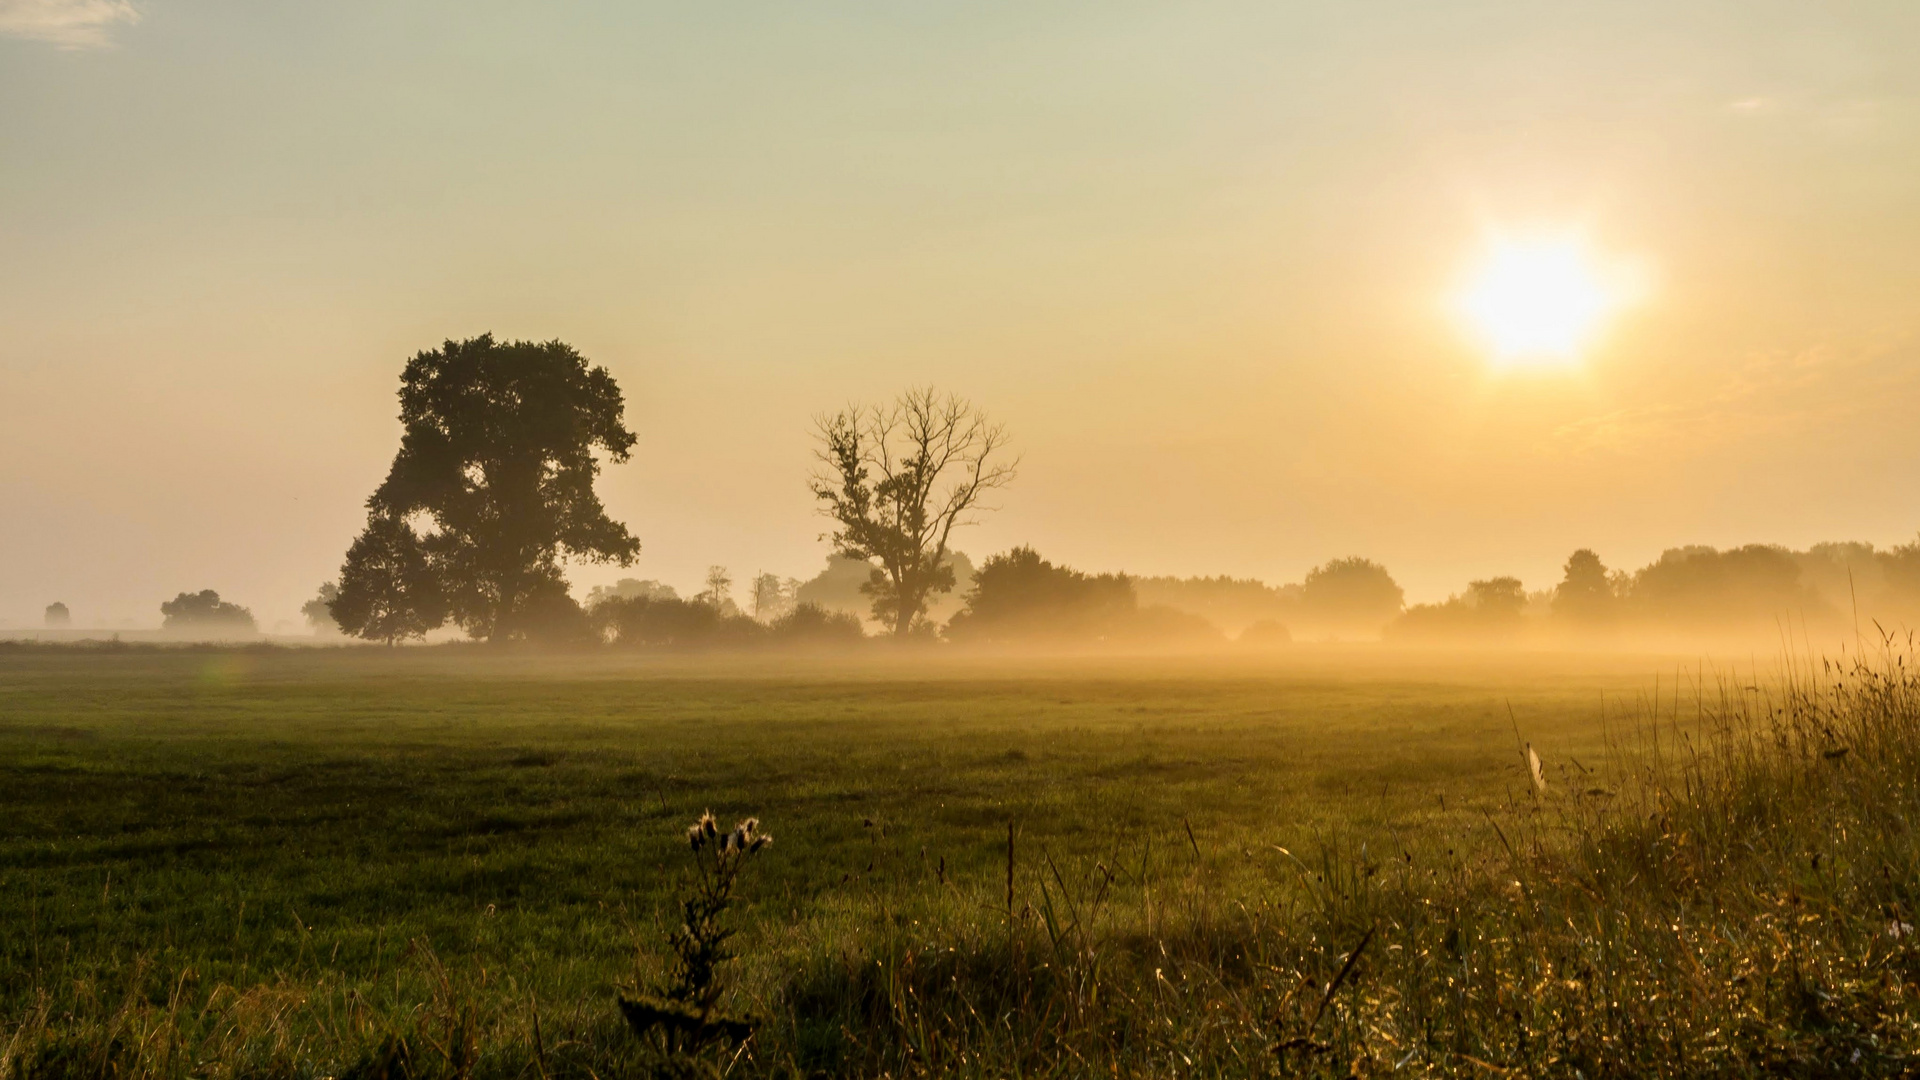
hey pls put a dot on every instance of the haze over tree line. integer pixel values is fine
(491, 493)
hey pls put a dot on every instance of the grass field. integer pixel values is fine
(285, 858)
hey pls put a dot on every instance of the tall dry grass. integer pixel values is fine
(1731, 893)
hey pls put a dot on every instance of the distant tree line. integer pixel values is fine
(492, 491)
(673, 623)
(1753, 592)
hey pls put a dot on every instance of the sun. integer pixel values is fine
(1539, 302)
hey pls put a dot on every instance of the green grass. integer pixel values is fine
(274, 860)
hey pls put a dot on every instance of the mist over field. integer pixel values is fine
(635, 541)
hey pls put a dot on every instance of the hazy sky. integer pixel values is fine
(1197, 256)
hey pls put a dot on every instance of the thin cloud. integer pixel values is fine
(1775, 396)
(70, 24)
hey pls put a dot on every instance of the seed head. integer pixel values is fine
(701, 831)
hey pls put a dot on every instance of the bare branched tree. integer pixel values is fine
(898, 479)
(772, 595)
(719, 588)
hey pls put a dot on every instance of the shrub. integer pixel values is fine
(1021, 597)
(1351, 595)
(205, 612)
(1266, 632)
(810, 624)
(670, 623)
(1494, 609)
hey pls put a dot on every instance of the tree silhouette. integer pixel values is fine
(1021, 595)
(1499, 602)
(628, 589)
(1351, 594)
(1490, 609)
(497, 465)
(719, 591)
(772, 596)
(205, 611)
(1585, 592)
(318, 611)
(57, 615)
(898, 479)
(388, 589)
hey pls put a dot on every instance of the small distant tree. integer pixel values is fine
(1743, 589)
(1021, 595)
(1500, 597)
(811, 624)
(1352, 594)
(1490, 610)
(1227, 602)
(719, 591)
(388, 589)
(1585, 592)
(1900, 567)
(630, 589)
(773, 595)
(497, 465)
(897, 479)
(205, 612)
(58, 615)
(667, 622)
(319, 610)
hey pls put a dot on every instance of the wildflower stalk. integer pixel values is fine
(685, 1014)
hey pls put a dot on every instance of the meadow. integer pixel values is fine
(450, 861)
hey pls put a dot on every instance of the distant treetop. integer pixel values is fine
(205, 612)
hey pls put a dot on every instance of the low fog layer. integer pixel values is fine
(1756, 596)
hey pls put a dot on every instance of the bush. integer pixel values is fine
(1491, 610)
(810, 624)
(552, 617)
(1021, 597)
(670, 623)
(205, 613)
(1350, 596)
(1266, 632)
(1701, 590)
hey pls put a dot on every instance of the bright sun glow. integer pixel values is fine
(1539, 303)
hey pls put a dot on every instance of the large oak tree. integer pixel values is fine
(494, 482)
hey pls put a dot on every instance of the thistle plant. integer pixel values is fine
(685, 1013)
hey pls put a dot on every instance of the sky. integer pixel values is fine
(1202, 259)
